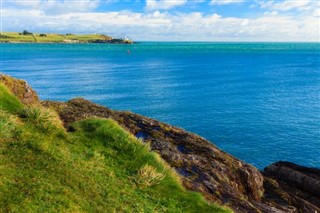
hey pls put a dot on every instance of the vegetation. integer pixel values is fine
(98, 167)
(26, 36)
(26, 33)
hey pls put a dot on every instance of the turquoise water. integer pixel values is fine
(257, 101)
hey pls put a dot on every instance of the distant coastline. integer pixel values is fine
(69, 38)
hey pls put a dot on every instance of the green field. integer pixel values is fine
(54, 38)
(98, 167)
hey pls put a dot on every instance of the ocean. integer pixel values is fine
(258, 101)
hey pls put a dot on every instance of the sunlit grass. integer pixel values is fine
(97, 168)
(36, 37)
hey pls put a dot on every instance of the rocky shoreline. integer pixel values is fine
(220, 177)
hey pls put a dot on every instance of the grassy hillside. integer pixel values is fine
(98, 167)
(55, 38)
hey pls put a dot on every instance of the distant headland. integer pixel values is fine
(29, 37)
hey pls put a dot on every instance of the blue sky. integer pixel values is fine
(169, 20)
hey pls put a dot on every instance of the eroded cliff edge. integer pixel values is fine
(220, 177)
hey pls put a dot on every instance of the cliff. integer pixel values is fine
(218, 176)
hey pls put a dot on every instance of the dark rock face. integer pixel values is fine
(20, 89)
(294, 185)
(202, 166)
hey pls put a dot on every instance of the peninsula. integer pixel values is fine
(29, 37)
(78, 156)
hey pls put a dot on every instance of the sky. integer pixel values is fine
(169, 20)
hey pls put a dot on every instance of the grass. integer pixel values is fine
(97, 168)
(16, 37)
(148, 176)
(8, 102)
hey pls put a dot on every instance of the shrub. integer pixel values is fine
(26, 33)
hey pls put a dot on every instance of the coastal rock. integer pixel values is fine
(293, 185)
(20, 89)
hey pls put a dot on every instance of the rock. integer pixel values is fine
(293, 185)
(252, 179)
(20, 89)
(77, 109)
(304, 178)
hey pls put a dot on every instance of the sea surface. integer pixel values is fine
(258, 101)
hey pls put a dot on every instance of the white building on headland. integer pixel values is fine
(125, 38)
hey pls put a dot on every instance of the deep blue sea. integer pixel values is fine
(258, 101)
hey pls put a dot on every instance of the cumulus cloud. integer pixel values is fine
(301, 9)
(58, 16)
(159, 25)
(163, 4)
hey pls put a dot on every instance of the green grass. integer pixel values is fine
(7, 101)
(16, 37)
(9, 36)
(97, 168)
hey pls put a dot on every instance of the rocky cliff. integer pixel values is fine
(220, 177)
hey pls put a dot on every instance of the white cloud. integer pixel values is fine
(276, 24)
(222, 2)
(167, 26)
(271, 13)
(245, 22)
(286, 5)
(163, 4)
(316, 12)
